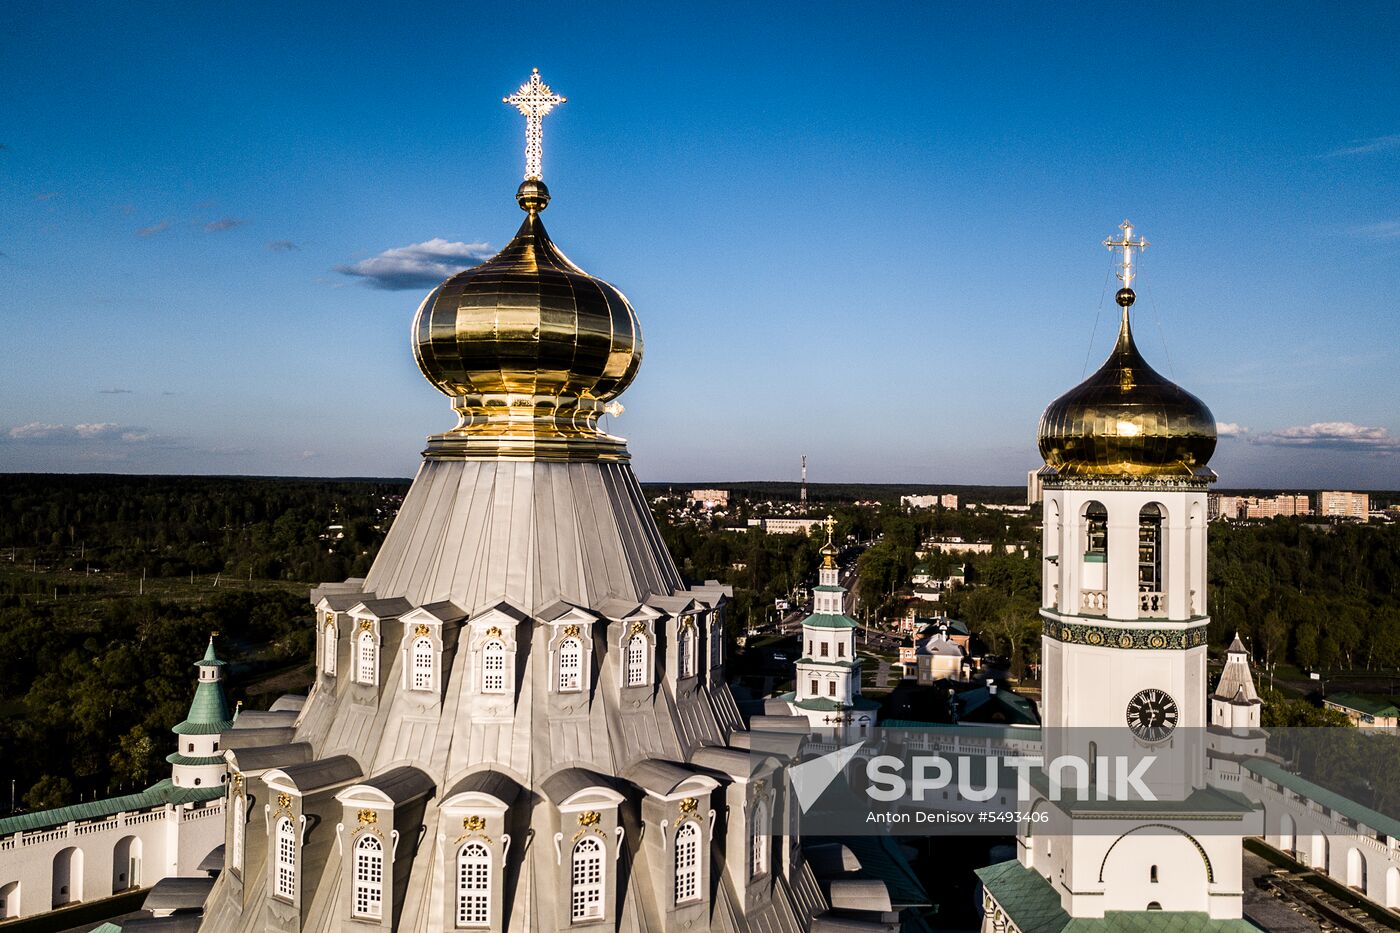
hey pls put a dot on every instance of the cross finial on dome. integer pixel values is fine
(1127, 244)
(534, 100)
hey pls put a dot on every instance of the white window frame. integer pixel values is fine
(474, 899)
(421, 663)
(758, 867)
(570, 665)
(636, 660)
(240, 818)
(367, 658)
(588, 872)
(286, 862)
(367, 883)
(685, 654)
(687, 853)
(493, 666)
(330, 647)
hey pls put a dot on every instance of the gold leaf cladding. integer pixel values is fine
(637, 628)
(367, 817)
(493, 632)
(474, 823)
(588, 818)
(284, 801)
(366, 625)
(571, 631)
(420, 629)
(689, 805)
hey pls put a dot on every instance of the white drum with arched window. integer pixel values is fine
(366, 669)
(570, 665)
(422, 653)
(368, 891)
(285, 843)
(687, 862)
(637, 661)
(586, 878)
(473, 885)
(493, 666)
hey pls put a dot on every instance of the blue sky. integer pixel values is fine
(868, 234)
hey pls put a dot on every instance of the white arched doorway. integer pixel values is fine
(126, 864)
(67, 877)
(1319, 856)
(1392, 887)
(1356, 870)
(9, 900)
(1287, 835)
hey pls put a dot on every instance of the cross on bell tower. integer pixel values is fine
(534, 100)
(1127, 244)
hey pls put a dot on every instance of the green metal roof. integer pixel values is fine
(210, 659)
(1363, 704)
(882, 859)
(832, 662)
(208, 710)
(983, 706)
(828, 589)
(828, 620)
(175, 758)
(157, 795)
(1328, 798)
(1034, 907)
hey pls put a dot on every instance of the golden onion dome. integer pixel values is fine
(529, 347)
(528, 321)
(1127, 420)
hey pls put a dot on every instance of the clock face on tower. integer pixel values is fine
(1152, 715)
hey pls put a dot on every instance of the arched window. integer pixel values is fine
(570, 665)
(1095, 532)
(240, 818)
(328, 659)
(493, 667)
(761, 839)
(367, 664)
(1150, 549)
(286, 881)
(586, 877)
(687, 862)
(369, 877)
(422, 663)
(685, 652)
(1152, 875)
(473, 885)
(636, 660)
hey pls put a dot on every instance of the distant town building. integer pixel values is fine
(1288, 505)
(709, 498)
(1035, 489)
(1334, 504)
(956, 545)
(918, 502)
(1365, 712)
(790, 526)
(948, 501)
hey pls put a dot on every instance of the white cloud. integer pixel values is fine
(1385, 230)
(1368, 146)
(153, 229)
(1335, 435)
(419, 265)
(1229, 429)
(224, 223)
(97, 432)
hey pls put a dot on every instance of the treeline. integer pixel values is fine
(1318, 596)
(90, 687)
(170, 526)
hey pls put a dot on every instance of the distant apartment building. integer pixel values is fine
(1344, 505)
(955, 545)
(790, 526)
(1035, 487)
(709, 498)
(918, 502)
(1288, 505)
(948, 501)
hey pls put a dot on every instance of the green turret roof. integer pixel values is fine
(209, 710)
(829, 620)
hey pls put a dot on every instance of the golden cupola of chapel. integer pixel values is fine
(530, 348)
(1127, 419)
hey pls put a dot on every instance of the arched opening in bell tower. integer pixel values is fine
(1152, 597)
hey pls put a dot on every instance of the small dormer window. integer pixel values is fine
(637, 660)
(685, 651)
(586, 880)
(369, 877)
(473, 885)
(367, 669)
(687, 862)
(286, 878)
(329, 646)
(760, 840)
(570, 665)
(493, 666)
(422, 663)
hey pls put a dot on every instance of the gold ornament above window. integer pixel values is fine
(474, 823)
(689, 805)
(493, 632)
(588, 818)
(367, 817)
(284, 801)
(420, 630)
(366, 625)
(570, 631)
(637, 628)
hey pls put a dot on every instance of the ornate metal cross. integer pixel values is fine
(534, 100)
(1127, 245)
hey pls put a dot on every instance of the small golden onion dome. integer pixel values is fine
(1127, 420)
(528, 322)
